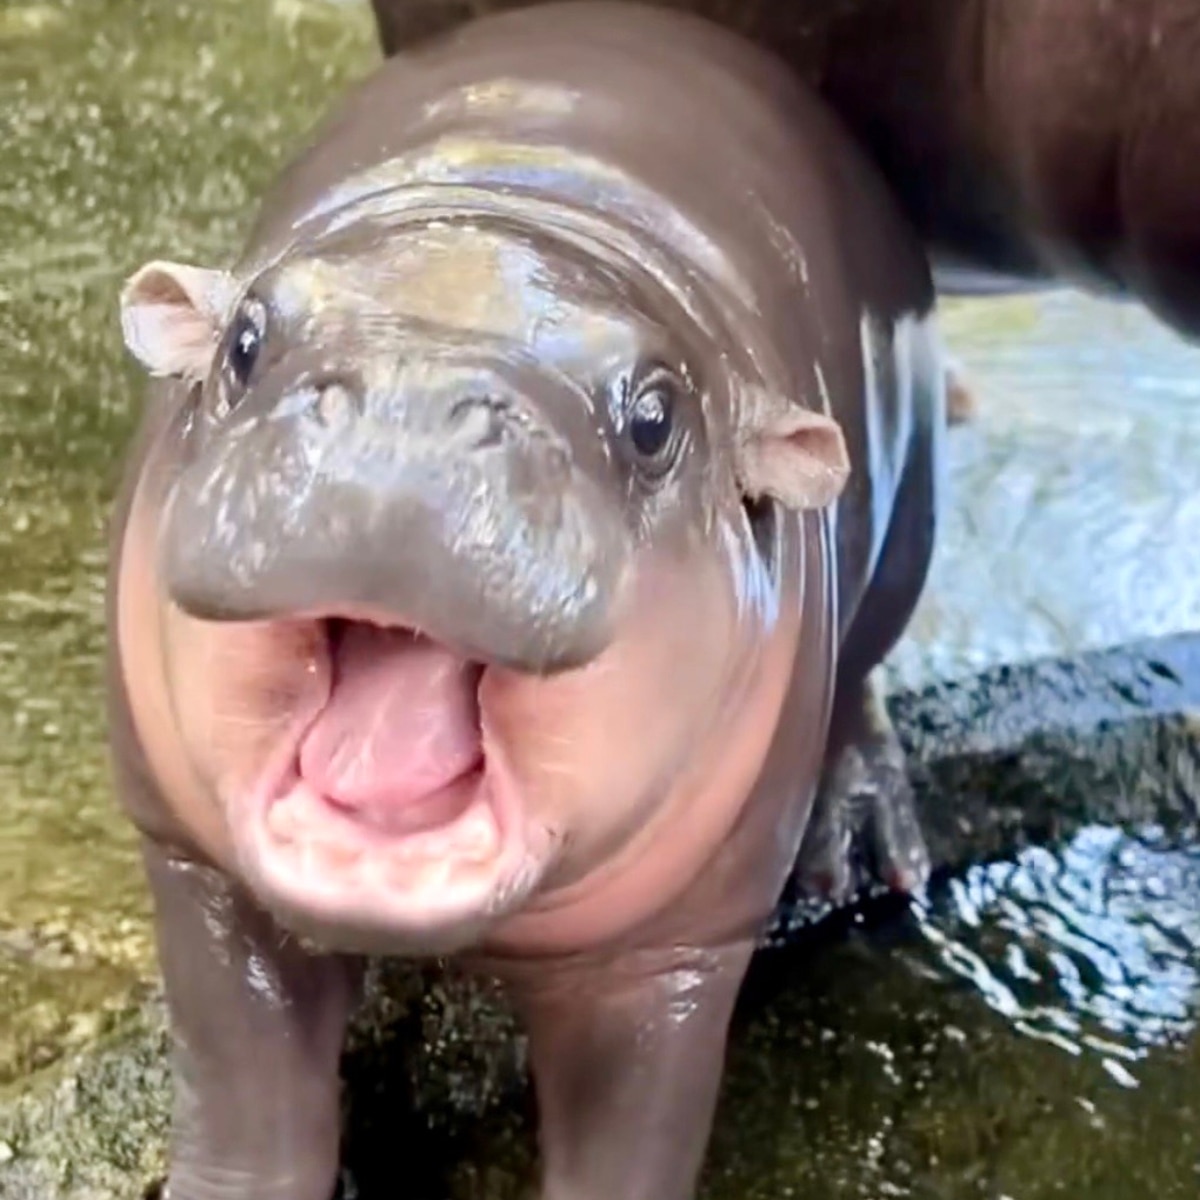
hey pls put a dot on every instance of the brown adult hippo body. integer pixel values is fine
(1031, 141)
(509, 548)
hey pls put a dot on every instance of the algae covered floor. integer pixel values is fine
(1028, 1032)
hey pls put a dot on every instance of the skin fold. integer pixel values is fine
(501, 570)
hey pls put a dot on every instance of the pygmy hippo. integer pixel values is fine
(504, 560)
(1031, 141)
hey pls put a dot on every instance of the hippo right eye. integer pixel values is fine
(245, 342)
(650, 421)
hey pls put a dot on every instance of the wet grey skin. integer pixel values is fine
(431, 394)
(351, 462)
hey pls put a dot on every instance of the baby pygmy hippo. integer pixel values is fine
(501, 572)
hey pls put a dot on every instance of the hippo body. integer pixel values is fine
(1033, 142)
(503, 563)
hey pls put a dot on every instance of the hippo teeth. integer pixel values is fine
(284, 822)
(332, 850)
(478, 835)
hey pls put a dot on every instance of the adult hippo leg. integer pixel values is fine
(257, 1025)
(627, 1056)
(864, 825)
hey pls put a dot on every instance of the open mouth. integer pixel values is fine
(400, 735)
(391, 810)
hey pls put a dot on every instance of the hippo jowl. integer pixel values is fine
(501, 571)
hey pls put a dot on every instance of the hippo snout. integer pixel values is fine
(473, 503)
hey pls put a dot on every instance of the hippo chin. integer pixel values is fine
(504, 562)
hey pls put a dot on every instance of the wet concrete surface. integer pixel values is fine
(128, 129)
(1073, 515)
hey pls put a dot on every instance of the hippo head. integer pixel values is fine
(465, 604)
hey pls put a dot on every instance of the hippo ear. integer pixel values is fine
(172, 315)
(796, 456)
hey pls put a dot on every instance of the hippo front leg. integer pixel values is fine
(864, 824)
(627, 1058)
(257, 1026)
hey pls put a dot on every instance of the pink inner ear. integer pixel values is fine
(160, 287)
(821, 440)
(171, 318)
(800, 459)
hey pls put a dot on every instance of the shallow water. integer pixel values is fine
(1028, 1032)
(1025, 1032)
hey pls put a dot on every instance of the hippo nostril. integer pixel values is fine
(478, 420)
(556, 462)
(334, 404)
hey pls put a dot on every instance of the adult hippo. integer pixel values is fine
(509, 546)
(1031, 141)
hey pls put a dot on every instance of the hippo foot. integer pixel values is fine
(864, 828)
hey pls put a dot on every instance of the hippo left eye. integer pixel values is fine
(651, 417)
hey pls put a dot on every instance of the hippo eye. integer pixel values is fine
(245, 341)
(651, 417)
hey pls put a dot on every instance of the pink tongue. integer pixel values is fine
(401, 722)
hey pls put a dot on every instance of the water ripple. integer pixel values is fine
(1094, 947)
